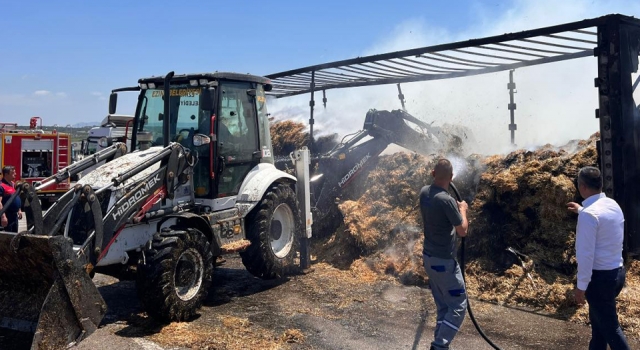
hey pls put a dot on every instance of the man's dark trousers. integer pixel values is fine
(601, 295)
(12, 222)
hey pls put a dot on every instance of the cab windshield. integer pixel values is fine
(184, 118)
(90, 147)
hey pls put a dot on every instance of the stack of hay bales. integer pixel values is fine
(521, 203)
(517, 201)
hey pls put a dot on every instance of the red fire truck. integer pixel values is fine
(36, 155)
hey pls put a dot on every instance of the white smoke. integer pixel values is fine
(459, 165)
(555, 102)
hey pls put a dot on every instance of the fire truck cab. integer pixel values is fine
(36, 154)
(114, 128)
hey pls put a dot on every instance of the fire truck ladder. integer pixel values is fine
(62, 158)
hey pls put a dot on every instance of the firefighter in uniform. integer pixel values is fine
(7, 188)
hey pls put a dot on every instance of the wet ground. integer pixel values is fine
(330, 309)
(323, 309)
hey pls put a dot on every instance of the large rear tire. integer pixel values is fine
(175, 275)
(273, 231)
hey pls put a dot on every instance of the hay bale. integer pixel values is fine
(521, 203)
(382, 229)
(386, 213)
(287, 136)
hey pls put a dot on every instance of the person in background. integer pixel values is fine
(601, 273)
(229, 135)
(7, 188)
(444, 218)
(3, 219)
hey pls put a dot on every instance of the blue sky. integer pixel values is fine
(57, 56)
(60, 59)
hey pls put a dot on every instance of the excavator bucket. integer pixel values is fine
(47, 299)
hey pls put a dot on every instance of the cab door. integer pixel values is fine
(238, 148)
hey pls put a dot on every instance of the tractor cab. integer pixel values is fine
(222, 117)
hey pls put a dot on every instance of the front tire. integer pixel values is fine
(273, 229)
(175, 275)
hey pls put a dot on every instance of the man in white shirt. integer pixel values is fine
(601, 273)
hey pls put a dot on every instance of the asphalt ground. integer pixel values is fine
(331, 311)
(332, 314)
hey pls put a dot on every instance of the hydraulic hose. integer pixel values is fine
(462, 265)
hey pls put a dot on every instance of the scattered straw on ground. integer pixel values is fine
(224, 333)
(292, 336)
(235, 246)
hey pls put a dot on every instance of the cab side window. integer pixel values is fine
(237, 133)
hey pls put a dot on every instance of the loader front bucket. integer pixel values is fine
(47, 299)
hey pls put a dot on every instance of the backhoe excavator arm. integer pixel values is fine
(357, 155)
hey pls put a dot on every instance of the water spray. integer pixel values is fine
(462, 265)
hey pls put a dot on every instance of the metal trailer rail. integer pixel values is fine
(614, 39)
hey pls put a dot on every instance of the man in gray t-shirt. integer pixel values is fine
(443, 219)
(440, 215)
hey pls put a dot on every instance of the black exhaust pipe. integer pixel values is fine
(167, 108)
